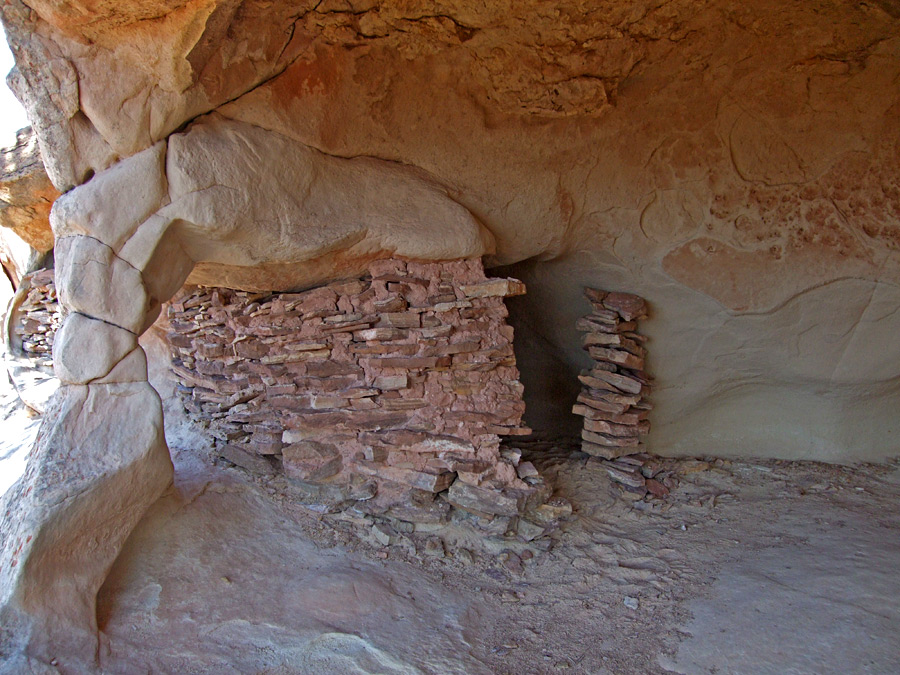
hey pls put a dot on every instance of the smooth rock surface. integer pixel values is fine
(87, 483)
(86, 349)
(92, 280)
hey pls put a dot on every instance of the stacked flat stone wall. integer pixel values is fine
(37, 318)
(389, 392)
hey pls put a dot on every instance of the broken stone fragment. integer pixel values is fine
(602, 379)
(435, 513)
(526, 470)
(605, 451)
(607, 440)
(494, 288)
(611, 429)
(628, 306)
(384, 533)
(483, 501)
(529, 531)
(618, 356)
(311, 461)
(553, 510)
(594, 294)
(430, 482)
(627, 478)
(250, 461)
(656, 488)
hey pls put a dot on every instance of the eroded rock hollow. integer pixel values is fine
(736, 166)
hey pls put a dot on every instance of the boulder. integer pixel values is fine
(100, 460)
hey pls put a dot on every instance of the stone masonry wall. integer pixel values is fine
(37, 318)
(389, 392)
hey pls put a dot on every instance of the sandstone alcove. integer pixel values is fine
(328, 208)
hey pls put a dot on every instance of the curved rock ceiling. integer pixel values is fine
(737, 165)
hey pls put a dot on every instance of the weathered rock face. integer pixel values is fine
(26, 193)
(736, 166)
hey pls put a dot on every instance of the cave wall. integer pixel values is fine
(736, 166)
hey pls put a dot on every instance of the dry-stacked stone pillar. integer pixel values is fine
(389, 392)
(613, 400)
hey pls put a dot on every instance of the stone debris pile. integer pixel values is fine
(38, 318)
(613, 399)
(640, 475)
(386, 394)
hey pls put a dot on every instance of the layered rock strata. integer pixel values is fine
(392, 390)
(613, 399)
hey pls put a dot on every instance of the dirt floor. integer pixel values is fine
(746, 567)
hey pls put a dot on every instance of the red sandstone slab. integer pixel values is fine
(602, 404)
(605, 451)
(410, 363)
(393, 304)
(495, 288)
(611, 416)
(457, 348)
(385, 333)
(628, 306)
(333, 368)
(502, 430)
(402, 403)
(602, 315)
(483, 501)
(389, 348)
(611, 441)
(620, 430)
(430, 482)
(391, 382)
(623, 383)
(587, 325)
(401, 319)
(311, 461)
(617, 356)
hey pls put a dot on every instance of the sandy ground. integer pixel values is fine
(747, 567)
